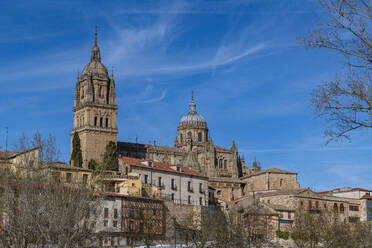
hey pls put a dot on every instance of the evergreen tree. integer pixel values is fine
(76, 155)
(93, 165)
(110, 158)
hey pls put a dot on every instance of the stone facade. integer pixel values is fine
(193, 148)
(95, 109)
(272, 179)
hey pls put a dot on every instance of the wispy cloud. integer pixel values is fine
(157, 99)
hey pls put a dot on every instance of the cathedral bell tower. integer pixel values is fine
(95, 109)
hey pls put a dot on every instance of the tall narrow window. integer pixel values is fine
(310, 205)
(106, 122)
(200, 137)
(100, 91)
(225, 164)
(146, 178)
(342, 209)
(189, 134)
(201, 201)
(100, 121)
(335, 207)
(68, 177)
(82, 93)
(189, 199)
(115, 213)
(106, 213)
(159, 181)
(281, 182)
(181, 138)
(220, 163)
(95, 121)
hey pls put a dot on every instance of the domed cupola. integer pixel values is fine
(95, 67)
(193, 118)
(192, 128)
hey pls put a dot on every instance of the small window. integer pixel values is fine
(100, 91)
(325, 205)
(225, 164)
(201, 188)
(106, 213)
(82, 93)
(189, 134)
(219, 192)
(335, 207)
(317, 204)
(172, 196)
(342, 209)
(200, 137)
(220, 163)
(85, 178)
(201, 201)
(146, 178)
(159, 181)
(100, 121)
(95, 121)
(106, 122)
(115, 223)
(189, 199)
(105, 222)
(281, 182)
(302, 204)
(68, 177)
(310, 205)
(115, 213)
(181, 138)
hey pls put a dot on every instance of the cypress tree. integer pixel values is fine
(110, 158)
(76, 155)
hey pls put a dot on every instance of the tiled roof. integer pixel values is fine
(160, 166)
(283, 192)
(7, 154)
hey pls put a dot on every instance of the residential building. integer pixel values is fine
(178, 184)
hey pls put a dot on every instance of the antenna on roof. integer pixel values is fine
(6, 139)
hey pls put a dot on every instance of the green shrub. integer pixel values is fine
(282, 234)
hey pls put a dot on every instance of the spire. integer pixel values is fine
(78, 77)
(112, 73)
(95, 36)
(96, 55)
(192, 104)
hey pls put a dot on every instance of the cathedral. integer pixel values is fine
(95, 121)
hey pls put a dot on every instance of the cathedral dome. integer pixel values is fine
(193, 117)
(95, 67)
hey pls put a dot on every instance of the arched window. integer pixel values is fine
(309, 205)
(82, 92)
(325, 205)
(95, 121)
(225, 164)
(342, 209)
(100, 122)
(106, 122)
(82, 122)
(189, 134)
(302, 204)
(78, 122)
(100, 91)
(200, 137)
(335, 207)
(220, 163)
(181, 138)
(281, 182)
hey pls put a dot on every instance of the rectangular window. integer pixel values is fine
(115, 223)
(189, 187)
(131, 213)
(105, 222)
(172, 196)
(106, 213)
(95, 121)
(146, 178)
(106, 122)
(201, 201)
(100, 121)
(201, 188)
(159, 181)
(68, 177)
(85, 178)
(115, 213)
(189, 199)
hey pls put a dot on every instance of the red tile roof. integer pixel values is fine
(160, 166)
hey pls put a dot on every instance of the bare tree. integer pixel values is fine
(36, 210)
(48, 150)
(346, 103)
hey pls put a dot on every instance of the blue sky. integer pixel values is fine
(252, 81)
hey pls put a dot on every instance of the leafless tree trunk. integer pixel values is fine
(36, 210)
(346, 103)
